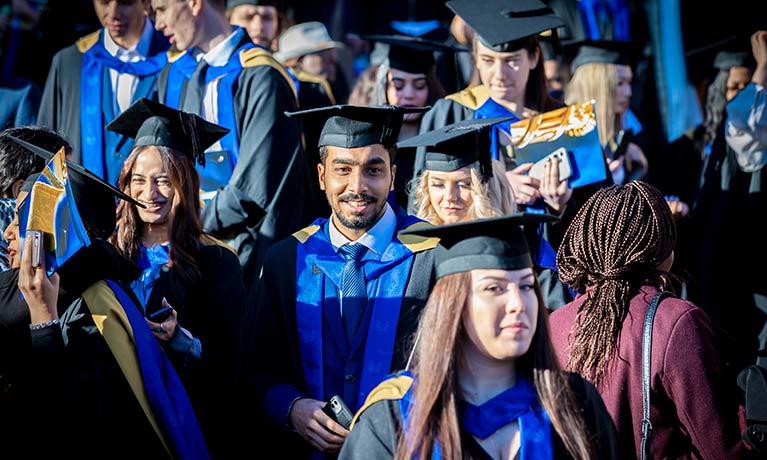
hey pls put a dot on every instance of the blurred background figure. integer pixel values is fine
(95, 79)
(309, 47)
(263, 20)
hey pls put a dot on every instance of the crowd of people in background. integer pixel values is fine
(306, 225)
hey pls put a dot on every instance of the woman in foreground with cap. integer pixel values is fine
(195, 277)
(617, 253)
(483, 381)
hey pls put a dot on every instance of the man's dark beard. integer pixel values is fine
(357, 222)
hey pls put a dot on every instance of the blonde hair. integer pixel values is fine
(597, 81)
(494, 198)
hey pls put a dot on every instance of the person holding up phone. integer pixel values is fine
(91, 366)
(191, 285)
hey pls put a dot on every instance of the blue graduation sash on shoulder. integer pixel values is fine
(164, 391)
(318, 276)
(517, 403)
(492, 109)
(181, 70)
(95, 60)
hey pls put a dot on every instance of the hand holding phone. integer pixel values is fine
(559, 155)
(338, 411)
(38, 250)
(159, 316)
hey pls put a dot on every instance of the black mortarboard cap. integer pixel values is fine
(491, 243)
(457, 145)
(351, 126)
(604, 51)
(152, 123)
(724, 60)
(94, 197)
(500, 23)
(412, 54)
(279, 4)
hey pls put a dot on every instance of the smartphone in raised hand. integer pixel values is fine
(559, 155)
(38, 247)
(159, 316)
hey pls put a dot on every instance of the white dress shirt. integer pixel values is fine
(124, 84)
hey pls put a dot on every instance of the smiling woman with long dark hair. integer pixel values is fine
(195, 275)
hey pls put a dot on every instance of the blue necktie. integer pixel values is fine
(353, 288)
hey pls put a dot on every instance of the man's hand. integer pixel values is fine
(316, 427)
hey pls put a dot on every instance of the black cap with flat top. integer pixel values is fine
(604, 51)
(457, 145)
(94, 197)
(500, 24)
(152, 123)
(412, 54)
(725, 60)
(491, 243)
(351, 126)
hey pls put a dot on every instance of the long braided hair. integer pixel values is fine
(613, 247)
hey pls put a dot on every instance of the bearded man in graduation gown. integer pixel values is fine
(338, 300)
(221, 75)
(95, 79)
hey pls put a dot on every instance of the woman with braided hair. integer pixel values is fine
(616, 254)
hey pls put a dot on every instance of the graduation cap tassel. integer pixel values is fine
(190, 130)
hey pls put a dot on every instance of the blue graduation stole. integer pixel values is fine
(180, 71)
(164, 390)
(318, 278)
(517, 403)
(93, 76)
(492, 109)
(150, 261)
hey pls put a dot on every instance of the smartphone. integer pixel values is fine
(160, 315)
(560, 154)
(339, 411)
(38, 249)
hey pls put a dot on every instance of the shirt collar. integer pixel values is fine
(376, 239)
(220, 54)
(141, 48)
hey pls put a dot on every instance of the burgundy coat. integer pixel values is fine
(694, 412)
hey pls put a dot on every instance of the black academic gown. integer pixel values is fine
(212, 310)
(374, 435)
(74, 400)
(60, 104)
(313, 92)
(274, 341)
(271, 171)
(728, 253)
